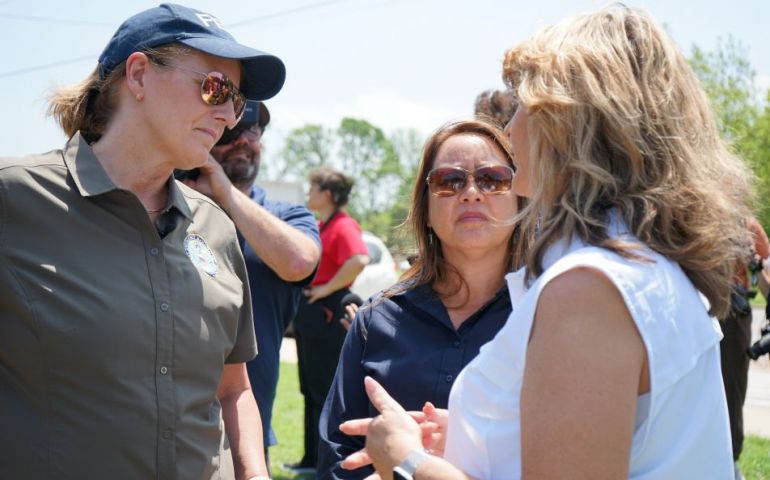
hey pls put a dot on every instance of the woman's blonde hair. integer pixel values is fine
(89, 105)
(618, 121)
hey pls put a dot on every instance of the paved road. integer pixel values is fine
(756, 411)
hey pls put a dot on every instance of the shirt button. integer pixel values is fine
(154, 251)
(457, 343)
(163, 370)
(449, 378)
(164, 307)
(166, 434)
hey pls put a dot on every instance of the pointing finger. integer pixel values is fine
(380, 398)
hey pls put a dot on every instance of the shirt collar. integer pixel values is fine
(88, 174)
(91, 179)
(424, 298)
(177, 199)
(257, 194)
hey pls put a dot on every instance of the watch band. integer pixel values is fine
(405, 470)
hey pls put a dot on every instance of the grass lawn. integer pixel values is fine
(288, 415)
(755, 458)
(289, 411)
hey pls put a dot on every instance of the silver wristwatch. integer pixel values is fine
(405, 471)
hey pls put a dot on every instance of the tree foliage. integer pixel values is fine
(743, 114)
(382, 167)
(728, 79)
(304, 149)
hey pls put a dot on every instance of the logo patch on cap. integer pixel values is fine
(200, 254)
(208, 20)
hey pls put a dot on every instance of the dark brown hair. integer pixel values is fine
(495, 106)
(336, 182)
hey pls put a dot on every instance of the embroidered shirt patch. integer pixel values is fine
(200, 254)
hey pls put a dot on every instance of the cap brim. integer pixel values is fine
(263, 74)
(264, 115)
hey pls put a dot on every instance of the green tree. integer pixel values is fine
(407, 144)
(728, 79)
(304, 149)
(755, 146)
(366, 154)
(743, 116)
(383, 167)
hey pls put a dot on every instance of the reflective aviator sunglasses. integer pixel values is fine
(216, 89)
(489, 179)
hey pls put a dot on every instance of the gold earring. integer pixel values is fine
(139, 97)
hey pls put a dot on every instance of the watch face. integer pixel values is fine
(401, 474)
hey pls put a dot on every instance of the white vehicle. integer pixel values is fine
(381, 272)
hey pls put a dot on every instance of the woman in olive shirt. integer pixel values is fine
(126, 317)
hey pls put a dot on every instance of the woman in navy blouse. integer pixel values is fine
(416, 337)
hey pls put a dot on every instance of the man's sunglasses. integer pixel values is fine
(216, 89)
(251, 132)
(490, 179)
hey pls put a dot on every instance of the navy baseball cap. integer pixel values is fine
(255, 113)
(263, 74)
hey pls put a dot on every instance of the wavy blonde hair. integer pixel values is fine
(618, 120)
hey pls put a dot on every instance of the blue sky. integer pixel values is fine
(396, 63)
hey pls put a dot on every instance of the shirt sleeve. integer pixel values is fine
(348, 241)
(347, 400)
(300, 218)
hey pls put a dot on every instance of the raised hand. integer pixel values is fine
(389, 437)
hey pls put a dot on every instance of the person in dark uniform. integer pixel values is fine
(317, 328)
(126, 316)
(736, 328)
(280, 244)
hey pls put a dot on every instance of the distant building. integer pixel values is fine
(291, 192)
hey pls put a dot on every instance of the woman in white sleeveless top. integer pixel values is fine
(609, 365)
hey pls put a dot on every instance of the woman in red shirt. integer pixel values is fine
(317, 330)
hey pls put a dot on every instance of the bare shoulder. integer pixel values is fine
(581, 316)
(585, 295)
(585, 366)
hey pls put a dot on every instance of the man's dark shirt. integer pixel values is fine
(274, 304)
